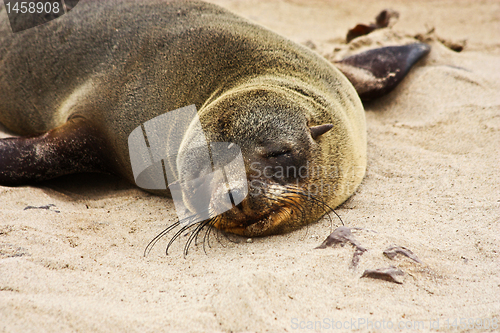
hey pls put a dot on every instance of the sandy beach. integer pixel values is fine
(71, 249)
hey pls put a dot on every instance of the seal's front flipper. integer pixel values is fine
(74, 147)
(376, 72)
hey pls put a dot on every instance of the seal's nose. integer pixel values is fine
(236, 195)
(213, 179)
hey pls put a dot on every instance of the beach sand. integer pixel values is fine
(432, 185)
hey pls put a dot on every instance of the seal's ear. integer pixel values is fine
(320, 130)
(376, 72)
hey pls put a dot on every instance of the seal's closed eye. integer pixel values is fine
(279, 153)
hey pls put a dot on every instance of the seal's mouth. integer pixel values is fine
(277, 209)
(262, 225)
(266, 225)
(268, 214)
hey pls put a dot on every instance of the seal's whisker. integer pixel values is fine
(155, 240)
(206, 236)
(212, 229)
(218, 232)
(209, 223)
(298, 210)
(290, 203)
(195, 233)
(310, 198)
(179, 233)
(319, 202)
(326, 208)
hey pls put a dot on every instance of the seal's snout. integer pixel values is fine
(212, 178)
(236, 193)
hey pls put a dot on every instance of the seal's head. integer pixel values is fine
(284, 153)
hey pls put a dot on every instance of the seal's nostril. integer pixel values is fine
(235, 193)
(231, 198)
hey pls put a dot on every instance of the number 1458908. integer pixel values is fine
(33, 7)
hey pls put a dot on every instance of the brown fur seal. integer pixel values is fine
(76, 87)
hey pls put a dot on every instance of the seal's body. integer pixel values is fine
(84, 81)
